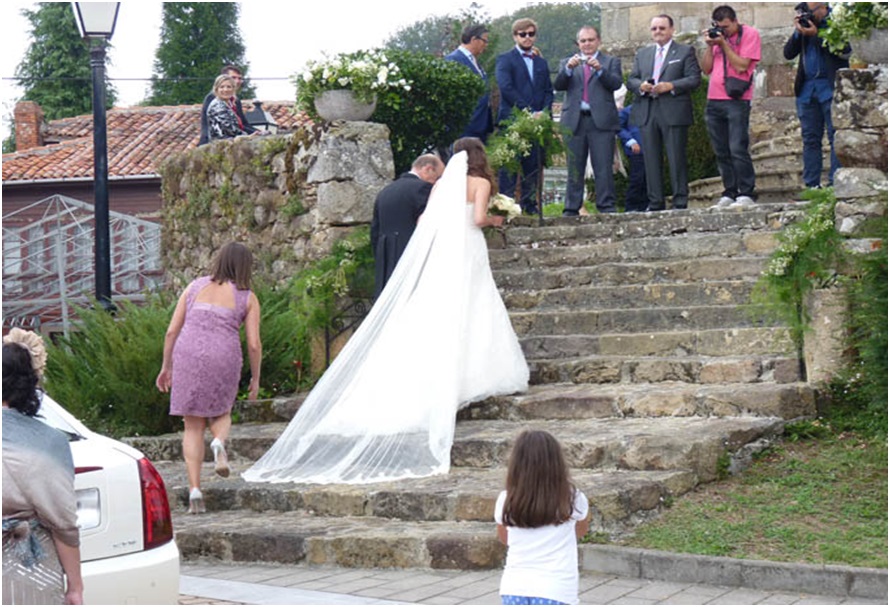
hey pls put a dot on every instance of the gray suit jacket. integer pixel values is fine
(681, 68)
(600, 94)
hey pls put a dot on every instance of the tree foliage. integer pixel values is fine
(434, 112)
(197, 40)
(55, 71)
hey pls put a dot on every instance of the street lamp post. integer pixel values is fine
(96, 21)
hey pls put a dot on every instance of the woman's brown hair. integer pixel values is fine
(539, 489)
(233, 263)
(477, 159)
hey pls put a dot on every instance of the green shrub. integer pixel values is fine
(434, 112)
(104, 372)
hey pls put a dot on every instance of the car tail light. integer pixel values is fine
(157, 525)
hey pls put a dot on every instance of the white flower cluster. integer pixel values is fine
(361, 72)
(499, 204)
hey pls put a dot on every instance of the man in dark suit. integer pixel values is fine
(590, 79)
(235, 74)
(396, 210)
(635, 197)
(473, 41)
(662, 78)
(523, 78)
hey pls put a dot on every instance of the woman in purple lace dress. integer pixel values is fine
(202, 359)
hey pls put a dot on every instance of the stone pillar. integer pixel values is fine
(823, 344)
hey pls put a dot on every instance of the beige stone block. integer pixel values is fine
(757, 242)
(770, 15)
(660, 404)
(824, 345)
(729, 372)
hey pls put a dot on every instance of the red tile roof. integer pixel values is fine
(139, 139)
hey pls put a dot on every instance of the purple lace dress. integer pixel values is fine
(207, 356)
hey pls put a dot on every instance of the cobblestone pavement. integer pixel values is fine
(207, 583)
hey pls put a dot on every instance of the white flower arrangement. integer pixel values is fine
(365, 73)
(502, 205)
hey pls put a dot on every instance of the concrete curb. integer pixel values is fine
(832, 580)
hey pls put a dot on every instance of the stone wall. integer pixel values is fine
(288, 198)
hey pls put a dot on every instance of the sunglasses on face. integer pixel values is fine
(527, 34)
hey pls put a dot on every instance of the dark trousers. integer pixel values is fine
(529, 182)
(815, 119)
(656, 133)
(635, 197)
(600, 146)
(727, 122)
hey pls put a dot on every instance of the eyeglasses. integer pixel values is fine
(483, 40)
(583, 40)
(531, 34)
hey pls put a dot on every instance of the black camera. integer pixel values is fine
(716, 31)
(804, 14)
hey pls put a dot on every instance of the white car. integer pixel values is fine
(127, 550)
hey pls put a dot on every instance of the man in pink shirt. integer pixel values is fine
(732, 52)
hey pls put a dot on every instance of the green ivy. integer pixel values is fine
(434, 112)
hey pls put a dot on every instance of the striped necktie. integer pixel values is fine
(659, 63)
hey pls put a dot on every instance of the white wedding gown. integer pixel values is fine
(438, 337)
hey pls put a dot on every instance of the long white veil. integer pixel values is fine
(385, 409)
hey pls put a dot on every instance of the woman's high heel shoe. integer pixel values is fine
(220, 458)
(196, 502)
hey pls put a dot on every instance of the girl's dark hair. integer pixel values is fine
(20, 380)
(539, 489)
(233, 262)
(477, 159)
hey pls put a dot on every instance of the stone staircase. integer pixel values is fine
(646, 363)
(778, 163)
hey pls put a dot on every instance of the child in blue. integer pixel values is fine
(635, 198)
(540, 516)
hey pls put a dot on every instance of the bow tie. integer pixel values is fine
(529, 55)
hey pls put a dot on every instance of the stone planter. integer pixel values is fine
(871, 50)
(343, 105)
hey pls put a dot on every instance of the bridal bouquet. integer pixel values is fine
(504, 206)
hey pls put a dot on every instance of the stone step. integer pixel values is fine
(525, 231)
(595, 401)
(715, 342)
(642, 320)
(662, 443)
(734, 292)
(631, 273)
(690, 369)
(360, 542)
(681, 246)
(464, 494)
(779, 183)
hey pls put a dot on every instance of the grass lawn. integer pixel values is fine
(819, 497)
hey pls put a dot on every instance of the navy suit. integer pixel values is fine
(518, 90)
(592, 130)
(481, 123)
(665, 118)
(635, 198)
(396, 211)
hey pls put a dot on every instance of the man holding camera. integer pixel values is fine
(590, 79)
(814, 87)
(730, 57)
(662, 78)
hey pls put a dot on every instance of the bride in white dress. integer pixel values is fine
(437, 338)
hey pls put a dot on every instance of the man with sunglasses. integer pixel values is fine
(662, 78)
(523, 78)
(473, 42)
(590, 79)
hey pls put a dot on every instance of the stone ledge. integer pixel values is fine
(836, 580)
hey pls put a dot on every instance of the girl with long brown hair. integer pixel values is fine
(540, 517)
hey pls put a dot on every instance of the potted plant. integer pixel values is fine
(348, 86)
(863, 25)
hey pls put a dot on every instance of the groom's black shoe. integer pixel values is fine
(569, 213)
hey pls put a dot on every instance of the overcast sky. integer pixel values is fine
(279, 37)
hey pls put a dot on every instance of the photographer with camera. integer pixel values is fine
(814, 87)
(730, 57)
